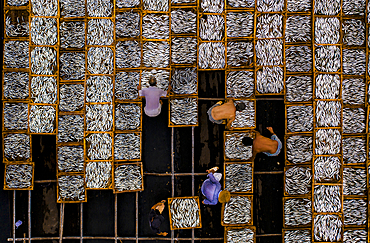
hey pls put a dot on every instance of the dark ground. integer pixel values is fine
(98, 212)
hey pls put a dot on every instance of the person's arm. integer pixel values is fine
(140, 90)
(271, 130)
(254, 154)
(228, 125)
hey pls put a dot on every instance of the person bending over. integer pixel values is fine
(152, 97)
(156, 218)
(270, 147)
(219, 112)
(211, 189)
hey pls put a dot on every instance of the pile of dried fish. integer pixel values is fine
(127, 24)
(328, 141)
(44, 7)
(270, 80)
(18, 28)
(184, 50)
(99, 146)
(215, 6)
(43, 60)
(327, 30)
(184, 111)
(327, 58)
(16, 85)
(156, 5)
(297, 236)
(327, 199)
(125, 87)
(185, 213)
(354, 61)
(72, 65)
(327, 169)
(44, 89)
(100, 32)
(16, 2)
(70, 128)
(355, 211)
(328, 113)
(245, 118)
(354, 7)
(128, 54)
(358, 236)
(212, 27)
(269, 26)
(183, 21)
(16, 54)
(299, 118)
(297, 212)
(71, 188)
(127, 3)
(44, 31)
(99, 89)
(299, 149)
(269, 52)
(18, 176)
(270, 5)
(72, 34)
(162, 77)
(100, 60)
(71, 97)
(99, 118)
(241, 3)
(298, 180)
(156, 26)
(327, 86)
(127, 146)
(354, 120)
(298, 88)
(239, 53)
(353, 32)
(71, 158)
(354, 181)
(299, 5)
(238, 210)
(327, 228)
(42, 119)
(298, 59)
(211, 55)
(354, 149)
(239, 24)
(98, 174)
(240, 235)
(17, 146)
(15, 116)
(353, 91)
(128, 178)
(238, 177)
(72, 8)
(327, 7)
(99, 8)
(184, 81)
(156, 54)
(240, 84)
(235, 149)
(298, 29)
(128, 116)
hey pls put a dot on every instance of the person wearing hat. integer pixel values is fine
(227, 111)
(211, 189)
(156, 218)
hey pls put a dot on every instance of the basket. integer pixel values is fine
(58, 188)
(239, 163)
(253, 228)
(110, 183)
(115, 190)
(170, 200)
(286, 194)
(170, 123)
(6, 187)
(295, 226)
(250, 197)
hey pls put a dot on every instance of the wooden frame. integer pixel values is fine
(170, 200)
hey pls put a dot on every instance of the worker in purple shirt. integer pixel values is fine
(211, 189)
(152, 95)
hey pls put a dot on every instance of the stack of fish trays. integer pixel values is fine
(328, 177)
(355, 122)
(183, 102)
(184, 213)
(237, 215)
(72, 62)
(16, 139)
(269, 46)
